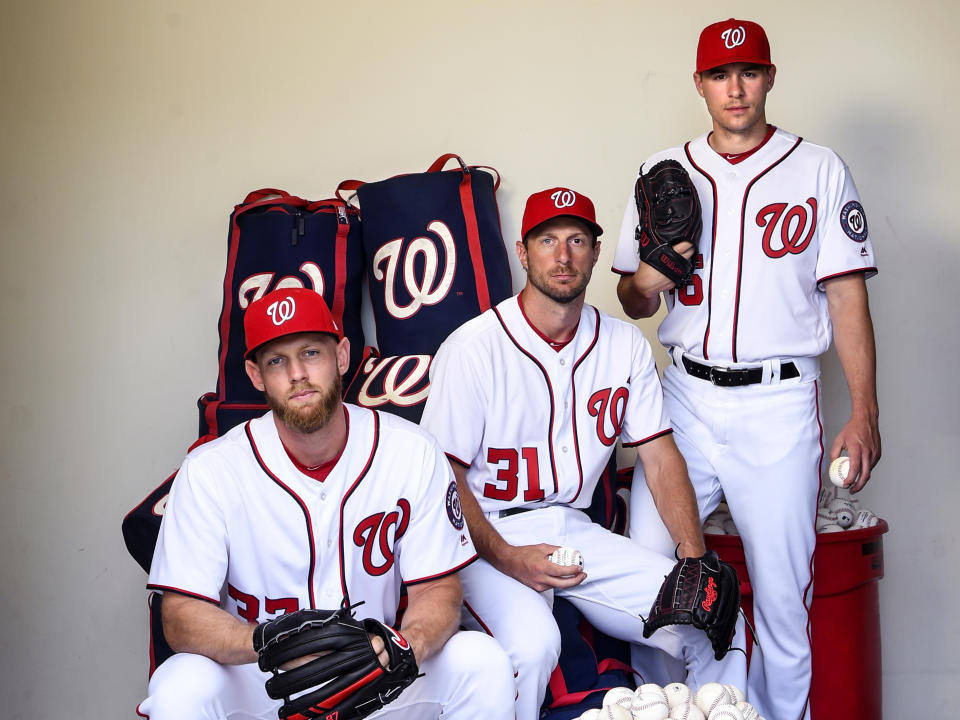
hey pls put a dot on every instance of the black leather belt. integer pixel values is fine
(734, 377)
(515, 511)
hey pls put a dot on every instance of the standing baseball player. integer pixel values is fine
(780, 266)
(317, 504)
(528, 400)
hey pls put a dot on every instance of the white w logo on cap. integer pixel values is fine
(282, 310)
(733, 37)
(563, 198)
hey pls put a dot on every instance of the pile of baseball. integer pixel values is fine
(837, 511)
(676, 701)
(719, 522)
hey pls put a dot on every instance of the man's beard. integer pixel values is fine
(560, 294)
(312, 417)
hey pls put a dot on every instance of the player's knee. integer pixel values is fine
(539, 655)
(186, 685)
(483, 672)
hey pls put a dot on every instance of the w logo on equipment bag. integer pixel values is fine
(427, 290)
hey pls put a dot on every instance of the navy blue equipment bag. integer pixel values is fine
(435, 253)
(278, 240)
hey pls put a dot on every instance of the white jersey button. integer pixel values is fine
(564, 448)
(563, 362)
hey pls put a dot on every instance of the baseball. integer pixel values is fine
(686, 711)
(677, 694)
(649, 706)
(652, 689)
(865, 519)
(735, 694)
(748, 711)
(829, 528)
(615, 712)
(567, 556)
(845, 518)
(838, 470)
(730, 527)
(709, 696)
(725, 712)
(839, 504)
(714, 529)
(618, 696)
(827, 494)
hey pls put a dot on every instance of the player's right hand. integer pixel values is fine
(530, 564)
(650, 281)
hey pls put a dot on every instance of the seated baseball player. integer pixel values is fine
(528, 401)
(286, 541)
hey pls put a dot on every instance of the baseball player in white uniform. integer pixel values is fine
(780, 268)
(528, 400)
(314, 505)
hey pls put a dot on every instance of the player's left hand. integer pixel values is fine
(860, 437)
(530, 564)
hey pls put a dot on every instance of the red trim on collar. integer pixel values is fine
(555, 344)
(321, 471)
(734, 158)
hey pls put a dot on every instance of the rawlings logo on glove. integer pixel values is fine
(703, 592)
(670, 213)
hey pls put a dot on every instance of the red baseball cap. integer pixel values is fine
(732, 41)
(555, 202)
(285, 312)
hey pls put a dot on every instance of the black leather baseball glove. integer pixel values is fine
(703, 592)
(346, 681)
(669, 209)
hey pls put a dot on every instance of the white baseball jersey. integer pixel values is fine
(787, 217)
(245, 529)
(535, 426)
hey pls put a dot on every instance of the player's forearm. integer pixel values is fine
(488, 542)
(637, 302)
(676, 501)
(432, 615)
(197, 626)
(856, 347)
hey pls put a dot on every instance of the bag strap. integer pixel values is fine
(350, 186)
(438, 164)
(473, 229)
(264, 193)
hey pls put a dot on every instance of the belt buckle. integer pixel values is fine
(712, 377)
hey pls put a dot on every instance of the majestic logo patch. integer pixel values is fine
(454, 511)
(853, 220)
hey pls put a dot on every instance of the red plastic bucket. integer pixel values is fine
(845, 619)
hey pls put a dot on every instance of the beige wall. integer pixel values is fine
(129, 130)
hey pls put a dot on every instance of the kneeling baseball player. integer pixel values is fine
(284, 545)
(528, 401)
